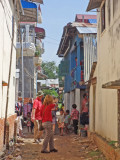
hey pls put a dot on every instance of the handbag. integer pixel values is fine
(41, 128)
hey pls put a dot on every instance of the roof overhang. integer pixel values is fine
(38, 1)
(30, 15)
(112, 85)
(40, 32)
(87, 30)
(68, 33)
(94, 4)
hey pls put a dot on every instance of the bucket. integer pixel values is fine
(83, 133)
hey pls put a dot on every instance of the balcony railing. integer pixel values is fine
(28, 46)
(77, 75)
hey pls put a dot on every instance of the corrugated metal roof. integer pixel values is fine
(87, 30)
(77, 24)
(94, 4)
(26, 4)
(80, 16)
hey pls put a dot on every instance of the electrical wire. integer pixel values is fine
(52, 43)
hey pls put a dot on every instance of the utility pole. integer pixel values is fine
(22, 34)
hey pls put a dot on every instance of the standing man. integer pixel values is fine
(36, 116)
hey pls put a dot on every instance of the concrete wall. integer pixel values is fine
(108, 70)
(28, 77)
(67, 101)
(72, 99)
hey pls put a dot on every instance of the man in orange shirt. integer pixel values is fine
(36, 116)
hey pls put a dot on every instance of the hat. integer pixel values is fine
(40, 93)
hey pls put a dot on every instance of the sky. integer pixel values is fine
(55, 15)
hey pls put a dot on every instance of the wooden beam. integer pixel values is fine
(112, 85)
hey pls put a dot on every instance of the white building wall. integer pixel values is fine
(108, 69)
(5, 45)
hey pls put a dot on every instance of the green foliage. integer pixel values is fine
(94, 153)
(50, 69)
(112, 143)
(37, 52)
(51, 92)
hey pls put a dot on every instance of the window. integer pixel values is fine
(103, 18)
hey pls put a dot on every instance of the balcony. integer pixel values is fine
(28, 47)
(37, 61)
(77, 75)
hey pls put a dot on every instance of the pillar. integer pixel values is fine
(27, 33)
(72, 99)
(77, 98)
(67, 101)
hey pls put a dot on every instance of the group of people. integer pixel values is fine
(43, 112)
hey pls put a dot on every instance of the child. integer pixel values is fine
(19, 124)
(28, 120)
(61, 122)
(67, 121)
(75, 117)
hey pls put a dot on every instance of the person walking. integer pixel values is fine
(36, 118)
(75, 117)
(46, 114)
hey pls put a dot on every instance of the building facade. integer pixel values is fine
(105, 93)
(32, 50)
(72, 49)
(8, 27)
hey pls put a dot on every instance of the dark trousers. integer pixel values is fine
(75, 125)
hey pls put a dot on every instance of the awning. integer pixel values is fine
(87, 30)
(112, 85)
(40, 32)
(94, 4)
(30, 12)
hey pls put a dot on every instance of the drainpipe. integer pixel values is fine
(22, 68)
(36, 81)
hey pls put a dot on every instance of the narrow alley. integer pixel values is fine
(59, 79)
